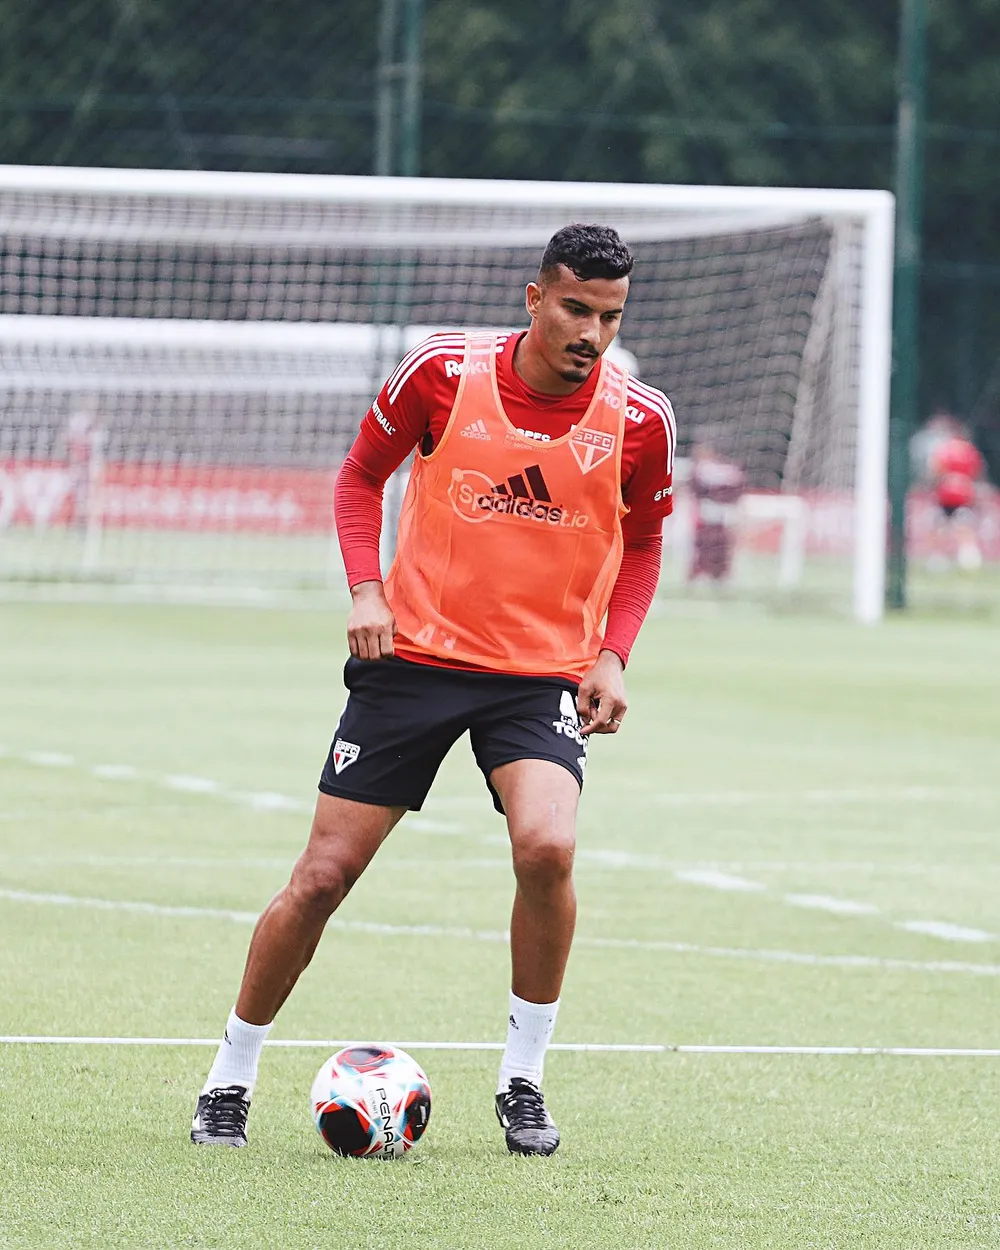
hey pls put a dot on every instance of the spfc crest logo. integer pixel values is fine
(591, 448)
(344, 753)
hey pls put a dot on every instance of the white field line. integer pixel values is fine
(712, 878)
(125, 905)
(941, 929)
(695, 798)
(186, 783)
(651, 1048)
(183, 862)
(869, 867)
(193, 785)
(421, 823)
(380, 929)
(116, 772)
(584, 855)
(50, 759)
(821, 797)
(716, 880)
(426, 824)
(839, 906)
(272, 801)
(810, 796)
(615, 858)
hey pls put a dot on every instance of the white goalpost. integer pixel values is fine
(185, 357)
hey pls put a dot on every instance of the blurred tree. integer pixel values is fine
(719, 91)
(636, 89)
(144, 83)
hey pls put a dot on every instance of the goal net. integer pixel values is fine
(185, 358)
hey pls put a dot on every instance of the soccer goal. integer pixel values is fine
(185, 357)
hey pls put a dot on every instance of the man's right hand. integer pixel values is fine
(371, 625)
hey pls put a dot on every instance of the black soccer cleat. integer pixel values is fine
(529, 1128)
(220, 1119)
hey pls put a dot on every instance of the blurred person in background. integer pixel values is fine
(717, 485)
(939, 427)
(955, 469)
(83, 438)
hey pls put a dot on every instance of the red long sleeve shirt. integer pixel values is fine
(413, 408)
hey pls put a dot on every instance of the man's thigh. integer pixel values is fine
(540, 800)
(534, 719)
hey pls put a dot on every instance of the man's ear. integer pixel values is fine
(532, 298)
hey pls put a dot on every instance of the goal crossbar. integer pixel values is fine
(120, 283)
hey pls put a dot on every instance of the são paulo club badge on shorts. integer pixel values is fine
(344, 753)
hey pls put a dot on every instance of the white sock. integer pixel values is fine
(529, 1031)
(238, 1055)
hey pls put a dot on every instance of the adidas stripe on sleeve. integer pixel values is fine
(418, 396)
(648, 454)
(417, 388)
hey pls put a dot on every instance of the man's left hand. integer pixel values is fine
(601, 701)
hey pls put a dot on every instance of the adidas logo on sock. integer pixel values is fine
(477, 430)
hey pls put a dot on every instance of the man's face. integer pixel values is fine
(574, 321)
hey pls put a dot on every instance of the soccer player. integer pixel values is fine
(716, 487)
(84, 439)
(541, 478)
(956, 468)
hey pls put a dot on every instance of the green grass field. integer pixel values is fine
(794, 842)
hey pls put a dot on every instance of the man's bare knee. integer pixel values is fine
(543, 863)
(325, 872)
(343, 838)
(321, 885)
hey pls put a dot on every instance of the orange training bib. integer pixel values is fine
(508, 548)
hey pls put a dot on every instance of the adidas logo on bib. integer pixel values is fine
(477, 430)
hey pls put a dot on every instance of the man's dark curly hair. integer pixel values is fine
(589, 251)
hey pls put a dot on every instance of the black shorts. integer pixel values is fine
(402, 718)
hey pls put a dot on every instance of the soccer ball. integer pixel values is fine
(371, 1102)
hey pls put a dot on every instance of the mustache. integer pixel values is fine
(582, 349)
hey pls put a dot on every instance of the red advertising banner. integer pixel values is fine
(176, 497)
(300, 501)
